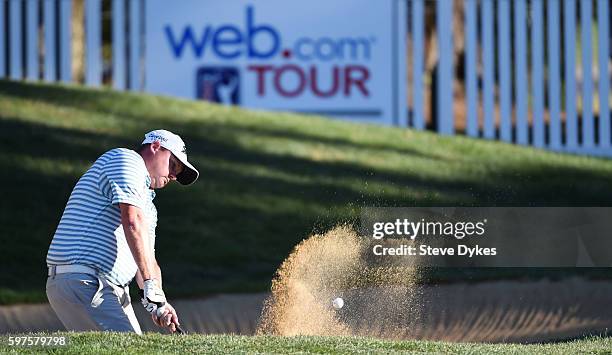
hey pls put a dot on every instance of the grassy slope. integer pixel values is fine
(267, 180)
(113, 343)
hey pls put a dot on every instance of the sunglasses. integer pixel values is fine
(176, 167)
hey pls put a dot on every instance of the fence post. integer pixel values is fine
(400, 83)
(444, 27)
(15, 39)
(118, 9)
(471, 55)
(603, 13)
(31, 39)
(571, 124)
(93, 35)
(520, 58)
(418, 117)
(587, 72)
(65, 40)
(505, 70)
(49, 28)
(2, 42)
(553, 74)
(537, 77)
(134, 45)
(488, 69)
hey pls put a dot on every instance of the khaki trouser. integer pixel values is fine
(85, 302)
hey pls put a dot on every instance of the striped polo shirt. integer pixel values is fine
(90, 231)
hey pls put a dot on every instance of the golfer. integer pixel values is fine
(106, 237)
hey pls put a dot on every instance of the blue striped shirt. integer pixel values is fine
(90, 231)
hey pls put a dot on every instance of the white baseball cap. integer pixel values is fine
(175, 144)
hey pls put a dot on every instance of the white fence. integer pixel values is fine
(44, 33)
(531, 87)
(550, 78)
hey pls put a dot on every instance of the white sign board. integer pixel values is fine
(339, 58)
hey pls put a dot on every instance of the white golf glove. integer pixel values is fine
(153, 297)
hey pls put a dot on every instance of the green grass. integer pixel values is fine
(114, 343)
(267, 180)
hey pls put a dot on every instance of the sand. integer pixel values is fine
(384, 298)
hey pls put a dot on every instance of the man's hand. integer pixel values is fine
(166, 317)
(154, 301)
(152, 297)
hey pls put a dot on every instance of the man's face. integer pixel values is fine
(163, 166)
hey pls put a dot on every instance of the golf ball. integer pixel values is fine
(337, 303)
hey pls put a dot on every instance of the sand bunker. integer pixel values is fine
(387, 301)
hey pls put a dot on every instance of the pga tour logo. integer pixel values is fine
(255, 42)
(218, 84)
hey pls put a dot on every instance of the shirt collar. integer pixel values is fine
(148, 184)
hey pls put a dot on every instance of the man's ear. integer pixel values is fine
(155, 146)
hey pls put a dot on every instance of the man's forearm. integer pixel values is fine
(139, 280)
(156, 275)
(136, 236)
(139, 252)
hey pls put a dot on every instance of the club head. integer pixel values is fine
(180, 330)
